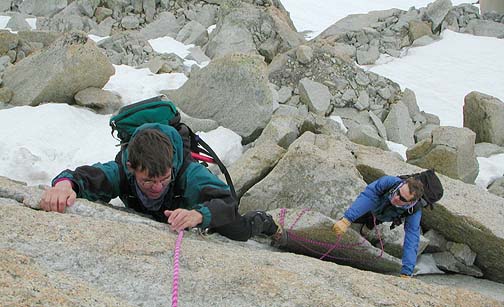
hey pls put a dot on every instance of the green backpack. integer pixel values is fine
(159, 110)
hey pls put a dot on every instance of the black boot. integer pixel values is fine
(261, 223)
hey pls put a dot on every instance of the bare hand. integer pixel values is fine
(180, 219)
(58, 197)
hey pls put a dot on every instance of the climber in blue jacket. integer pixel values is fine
(385, 200)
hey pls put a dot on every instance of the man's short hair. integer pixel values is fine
(415, 188)
(151, 150)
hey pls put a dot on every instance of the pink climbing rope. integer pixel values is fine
(303, 211)
(319, 253)
(176, 256)
(281, 219)
(378, 235)
(332, 247)
(283, 211)
(297, 238)
(300, 240)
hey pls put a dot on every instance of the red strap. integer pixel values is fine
(202, 158)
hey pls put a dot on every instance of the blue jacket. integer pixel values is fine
(375, 199)
(194, 188)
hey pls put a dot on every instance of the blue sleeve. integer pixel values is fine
(370, 197)
(411, 240)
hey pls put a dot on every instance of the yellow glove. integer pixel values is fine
(341, 226)
(405, 276)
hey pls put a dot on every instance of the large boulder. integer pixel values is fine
(368, 54)
(409, 99)
(165, 24)
(484, 115)
(17, 22)
(436, 13)
(315, 95)
(233, 90)
(5, 95)
(317, 172)
(46, 38)
(5, 5)
(198, 124)
(254, 165)
(104, 28)
(205, 14)
(399, 126)
(42, 8)
(466, 213)
(392, 239)
(130, 22)
(352, 117)
(102, 101)
(282, 130)
(74, 17)
(380, 128)
(247, 28)
(102, 13)
(485, 28)
(356, 22)
(98, 256)
(366, 135)
(448, 262)
(149, 9)
(164, 63)
(193, 33)
(56, 74)
(418, 29)
(449, 151)
(487, 149)
(8, 41)
(425, 132)
(310, 233)
(87, 7)
(437, 243)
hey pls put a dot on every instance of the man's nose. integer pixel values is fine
(157, 187)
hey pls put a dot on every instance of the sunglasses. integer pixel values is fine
(404, 200)
(401, 198)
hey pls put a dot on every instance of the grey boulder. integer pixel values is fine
(233, 90)
(450, 151)
(56, 74)
(484, 114)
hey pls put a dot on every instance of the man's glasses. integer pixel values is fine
(148, 183)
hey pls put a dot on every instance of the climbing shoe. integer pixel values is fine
(261, 223)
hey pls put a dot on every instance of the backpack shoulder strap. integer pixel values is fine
(192, 143)
(123, 179)
(178, 190)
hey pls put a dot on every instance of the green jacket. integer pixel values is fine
(194, 187)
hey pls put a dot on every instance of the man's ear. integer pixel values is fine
(130, 169)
